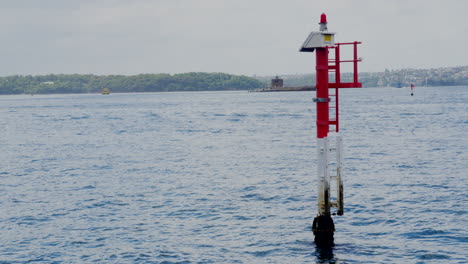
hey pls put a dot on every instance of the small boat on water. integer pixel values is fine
(105, 91)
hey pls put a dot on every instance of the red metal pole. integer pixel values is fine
(338, 84)
(322, 92)
(355, 64)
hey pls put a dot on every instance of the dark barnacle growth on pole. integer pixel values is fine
(323, 228)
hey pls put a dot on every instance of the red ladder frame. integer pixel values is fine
(338, 84)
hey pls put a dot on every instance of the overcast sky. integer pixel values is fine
(248, 37)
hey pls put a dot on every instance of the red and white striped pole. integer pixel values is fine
(322, 41)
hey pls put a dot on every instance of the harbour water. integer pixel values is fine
(230, 177)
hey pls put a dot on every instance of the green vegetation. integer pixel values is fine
(76, 83)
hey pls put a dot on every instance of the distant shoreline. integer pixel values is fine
(200, 81)
(77, 84)
(265, 90)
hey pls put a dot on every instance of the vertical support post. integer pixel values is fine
(338, 82)
(339, 177)
(337, 63)
(355, 75)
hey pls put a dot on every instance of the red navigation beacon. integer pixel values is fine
(323, 18)
(323, 42)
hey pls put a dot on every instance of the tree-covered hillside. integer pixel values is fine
(76, 83)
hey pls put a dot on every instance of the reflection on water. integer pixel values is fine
(325, 255)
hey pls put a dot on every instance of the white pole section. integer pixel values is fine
(323, 195)
(339, 175)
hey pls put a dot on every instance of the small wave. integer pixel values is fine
(426, 233)
(436, 149)
(249, 188)
(359, 146)
(190, 130)
(241, 217)
(113, 118)
(408, 114)
(264, 115)
(153, 115)
(405, 166)
(29, 220)
(87, 187)
(365, 222)
(239, 115)
(79, 117)
(259, 197)
(107, 204)
(262, 253)
(433, 256)
(40, 116)
(218, 131)
(118, 132)
(74, 243)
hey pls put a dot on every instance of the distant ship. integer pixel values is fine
(105, 91)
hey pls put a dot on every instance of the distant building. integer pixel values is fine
(277, 86)
(276, 83)
(48, 83)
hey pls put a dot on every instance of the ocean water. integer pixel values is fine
(230, 177)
